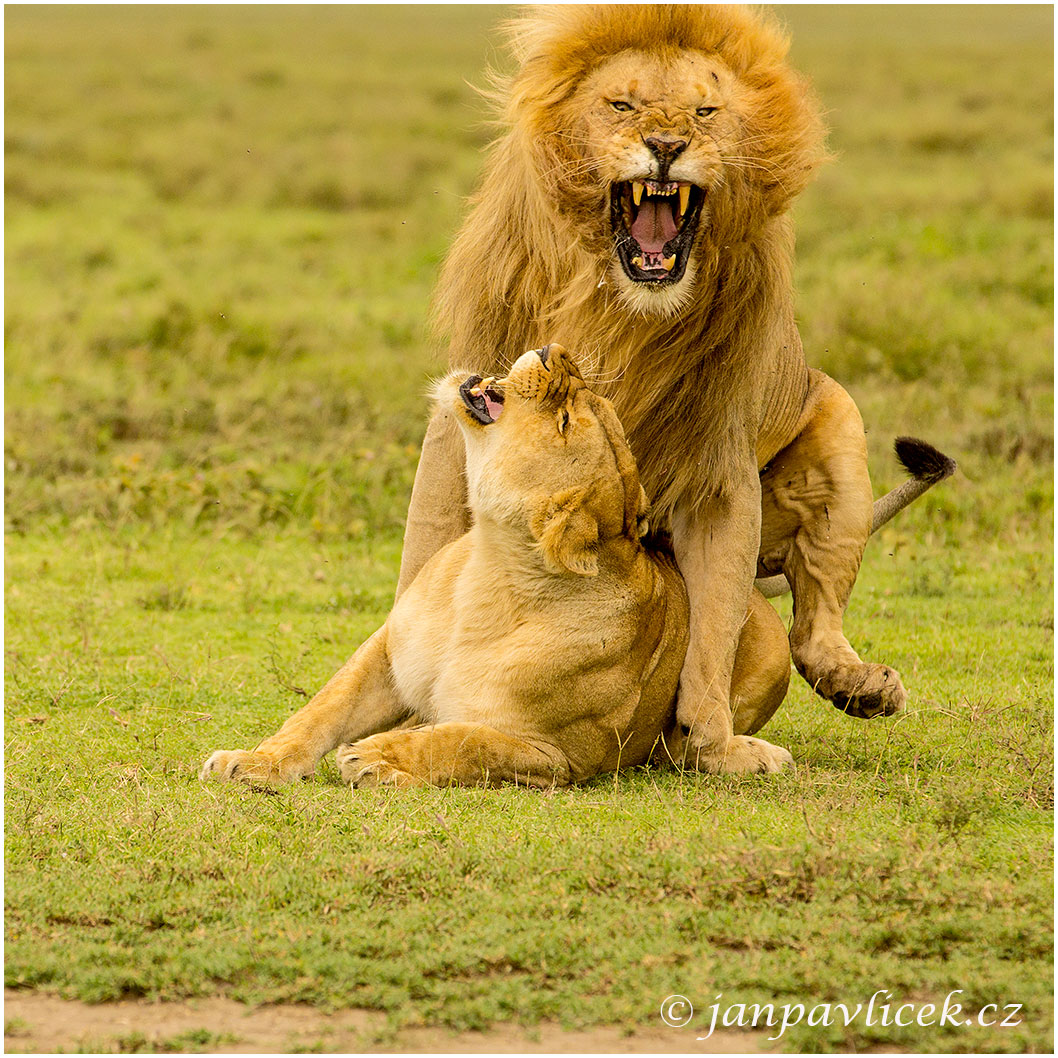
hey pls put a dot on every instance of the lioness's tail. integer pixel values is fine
(923, 462)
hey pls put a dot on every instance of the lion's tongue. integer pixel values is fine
(653, 226)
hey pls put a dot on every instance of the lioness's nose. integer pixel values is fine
(548, 350)
(666, 148)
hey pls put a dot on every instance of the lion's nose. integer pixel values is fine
(666, 148)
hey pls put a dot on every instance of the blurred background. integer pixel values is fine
(223, 225)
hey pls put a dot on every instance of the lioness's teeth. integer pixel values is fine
(638, 262)
(479, 389)
(668, 262)
(637, 191)
(685, 197)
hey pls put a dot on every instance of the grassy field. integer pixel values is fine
(222, 229)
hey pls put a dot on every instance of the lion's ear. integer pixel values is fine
(568, 533)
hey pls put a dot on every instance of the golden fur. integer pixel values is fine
(634, 205)
(543, 646)
(534, 259)
(680, 297)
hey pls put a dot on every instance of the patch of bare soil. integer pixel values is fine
(36, 1023)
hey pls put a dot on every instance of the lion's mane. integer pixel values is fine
(530, 264)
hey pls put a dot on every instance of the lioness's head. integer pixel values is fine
(661, 133)
(547, 455)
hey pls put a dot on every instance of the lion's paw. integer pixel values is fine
(251, 767)
(743, 755)
(748, 754)
(874, 690)
(364, 764)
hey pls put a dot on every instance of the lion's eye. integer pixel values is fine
(621, 104)
(706, 112)
(563, 421)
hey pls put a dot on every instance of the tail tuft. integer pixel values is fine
(922, 461)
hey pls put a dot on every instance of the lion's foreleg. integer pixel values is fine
(461, 753)
(716, 550)
(817, 510)
(437, 513)
(358, 700)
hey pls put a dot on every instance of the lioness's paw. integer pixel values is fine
(364, 764)
(873, 690)
(252, 767)
(743, 755)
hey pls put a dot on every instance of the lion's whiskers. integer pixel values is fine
(586, 166)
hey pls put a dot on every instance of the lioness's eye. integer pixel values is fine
(705, 112)
(620, 104)
(563, 421)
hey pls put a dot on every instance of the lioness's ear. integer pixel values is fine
(642, 514)
(636, 505)
(567, 533)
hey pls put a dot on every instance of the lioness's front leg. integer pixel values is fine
(716, 551)
(462, 753)
(817, 509)
(357, 701)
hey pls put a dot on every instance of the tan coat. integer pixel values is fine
(542, 647)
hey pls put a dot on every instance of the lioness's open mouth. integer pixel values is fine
(483, 398)
(654, 224)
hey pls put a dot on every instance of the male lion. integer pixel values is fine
(542, 647)
(636, 208)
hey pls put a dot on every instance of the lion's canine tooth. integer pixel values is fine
(668, 262)
(637, 191)
(638, 262)
(685, 197)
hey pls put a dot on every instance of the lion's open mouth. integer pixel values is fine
(483, 398)
(654, 224)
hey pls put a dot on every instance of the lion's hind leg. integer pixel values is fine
(817, 510)
(457, 753)
(761, 675)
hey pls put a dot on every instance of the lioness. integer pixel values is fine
(542, 647)
(635, 206)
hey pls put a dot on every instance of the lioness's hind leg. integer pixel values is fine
(817, 509)
(359, 699)
(465, 754)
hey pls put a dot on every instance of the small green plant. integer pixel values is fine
(165, 597)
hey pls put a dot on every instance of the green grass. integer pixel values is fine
(222, 229)
(195, 1041)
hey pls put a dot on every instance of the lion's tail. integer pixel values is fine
(926, 465)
